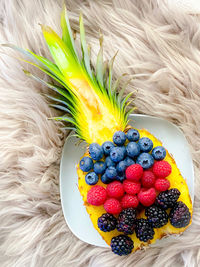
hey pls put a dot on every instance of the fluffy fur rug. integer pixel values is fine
(161, 49)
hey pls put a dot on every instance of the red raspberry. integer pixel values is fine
(148, 179)
(162, 169)
(147, 196)
(112, 206)
(162, 184)
(134, 172)
(115, 189)
(129, 201)
(96, 195)
(131, 187)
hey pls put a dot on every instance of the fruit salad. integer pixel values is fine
(132, 188)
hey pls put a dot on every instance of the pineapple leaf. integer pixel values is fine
(61, 54)
(45, 71)
(68, 99)
(99, 64)
(105, 73)
(110, 71)
(84, 47)
(121, 92)
(60, 107)
(60, 99)
(51, 67)
(21, 50)
(123, 103)
(117, 82)
(69, 128)
(38, 60)
(67, 35)
(65, 118)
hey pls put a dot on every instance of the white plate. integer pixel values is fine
(72, 204)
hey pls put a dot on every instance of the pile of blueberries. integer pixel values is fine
(112, 158)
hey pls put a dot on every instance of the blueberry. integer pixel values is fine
(86, 164)
(120, 177)
(105, 179)
(111, 172)
(145, 144)
(159, 153)
(117, 154)
(96, 151)
(124, 149)
(129, 161)
(91, 178)
(99, 167)
(145, 160)
(119, 138)
(109, 162)
(133, 135)
(133, 149)
(121, 167)
(107, 147)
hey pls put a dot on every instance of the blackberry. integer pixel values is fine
(126, 221)
(107, 222)
(156, 216)
(121, 245)
(144, 231)
(180, 215)
(168, 198)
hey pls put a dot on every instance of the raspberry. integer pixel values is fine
(131, 187)
(148, 179)
(162, 184)
(129, 201)
(112, 206)
(162, 169)
(96, 195)
(147, 197)
(115, 189)
(134, 172)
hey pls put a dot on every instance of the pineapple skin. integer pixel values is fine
(176, 181)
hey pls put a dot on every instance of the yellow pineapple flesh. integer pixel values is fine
(176, 181)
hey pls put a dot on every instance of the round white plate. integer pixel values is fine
(72, 204)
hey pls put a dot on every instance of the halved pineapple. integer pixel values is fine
(94, 107)
(176, 181)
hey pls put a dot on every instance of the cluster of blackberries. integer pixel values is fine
(157, 217)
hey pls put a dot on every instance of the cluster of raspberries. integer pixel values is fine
(140, 186)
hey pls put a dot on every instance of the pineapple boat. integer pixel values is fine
(130, 184)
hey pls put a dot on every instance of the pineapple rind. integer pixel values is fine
(176, 181)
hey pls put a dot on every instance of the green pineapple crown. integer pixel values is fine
(93, 107)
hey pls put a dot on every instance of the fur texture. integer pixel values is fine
(161, 49)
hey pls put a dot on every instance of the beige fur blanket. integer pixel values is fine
(161, 49)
